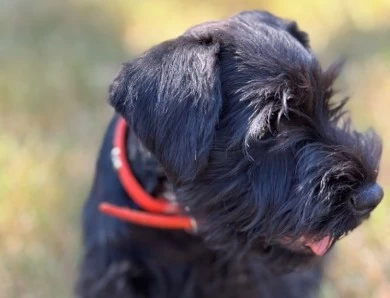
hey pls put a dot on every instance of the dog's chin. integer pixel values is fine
(282, 259)
(286, 255)
(309, 245)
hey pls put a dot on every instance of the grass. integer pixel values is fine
(57, 59)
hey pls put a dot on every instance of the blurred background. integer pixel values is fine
(57, 59)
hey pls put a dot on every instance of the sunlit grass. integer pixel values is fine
(38, 222)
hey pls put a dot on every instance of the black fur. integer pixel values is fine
(234, 120)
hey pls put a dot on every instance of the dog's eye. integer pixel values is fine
(267, 249)
(206, 41)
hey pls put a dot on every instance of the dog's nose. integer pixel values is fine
(368, 198)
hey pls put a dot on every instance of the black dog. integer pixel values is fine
(233, 119)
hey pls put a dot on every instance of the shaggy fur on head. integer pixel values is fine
(235, 120)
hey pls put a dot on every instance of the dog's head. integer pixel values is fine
(238, 113)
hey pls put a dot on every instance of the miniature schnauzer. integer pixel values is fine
(233, 123)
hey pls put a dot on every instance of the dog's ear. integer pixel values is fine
(171, 97)
(256, 17)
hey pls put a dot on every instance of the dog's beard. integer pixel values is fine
(285, 205)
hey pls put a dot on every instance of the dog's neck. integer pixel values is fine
(147, 169)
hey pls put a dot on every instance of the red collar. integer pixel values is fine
(158, 213)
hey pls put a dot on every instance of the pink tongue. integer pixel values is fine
(319, 248)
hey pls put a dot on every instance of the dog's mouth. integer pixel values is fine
(319, 247)
(309, 244)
